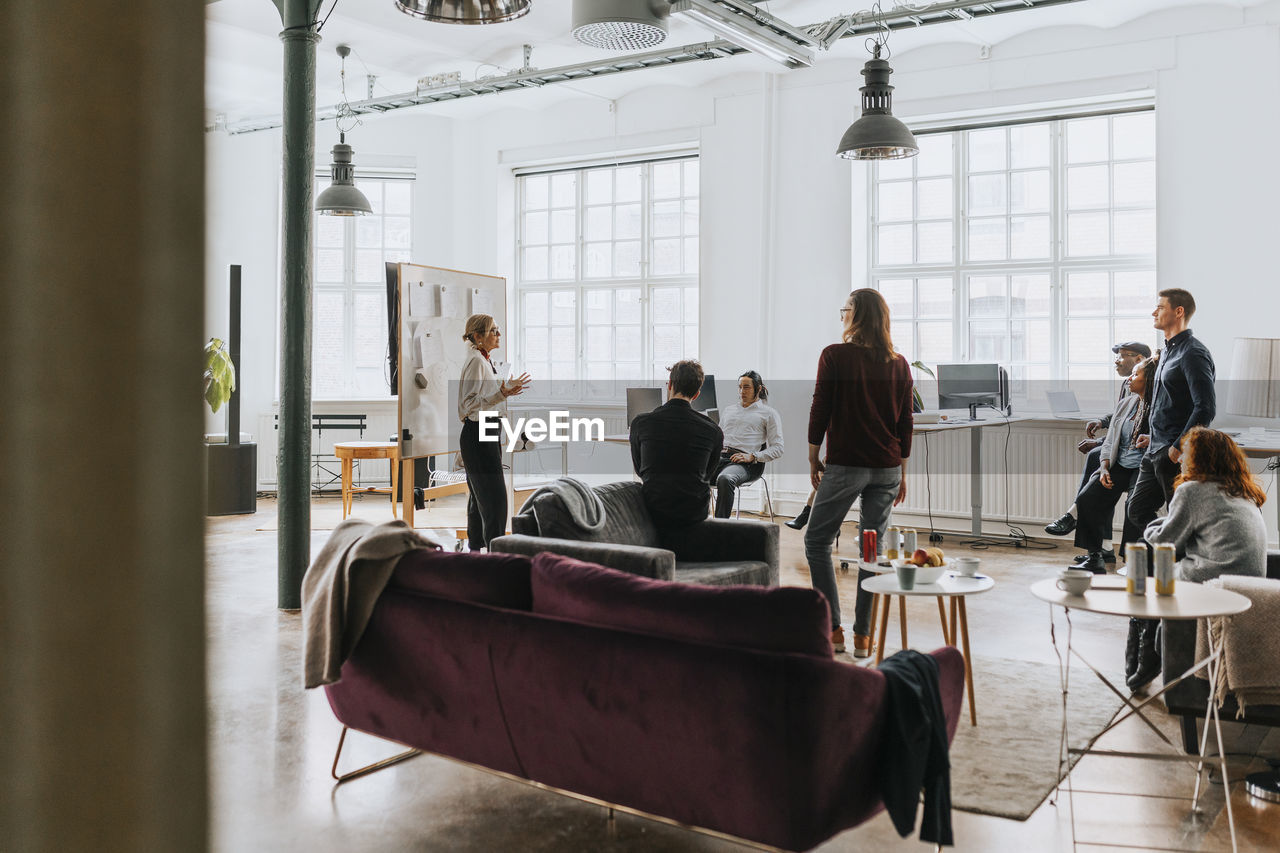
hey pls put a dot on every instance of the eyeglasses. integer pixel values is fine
(494, 331)
(844, 311)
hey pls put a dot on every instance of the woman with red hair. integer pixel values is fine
(1214, 515)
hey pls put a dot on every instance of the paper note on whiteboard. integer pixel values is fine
(453, 301)
(430, 348)
(482, 301)
(422, 299)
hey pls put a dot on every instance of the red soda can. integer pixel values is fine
(868, 546)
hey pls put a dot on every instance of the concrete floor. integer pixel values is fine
(272, 743)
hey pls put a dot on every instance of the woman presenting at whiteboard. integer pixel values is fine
(479, 390)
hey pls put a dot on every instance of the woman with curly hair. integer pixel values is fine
(1215, 514)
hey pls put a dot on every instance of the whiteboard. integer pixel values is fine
(434, 306)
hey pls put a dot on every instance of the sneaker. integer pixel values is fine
(837, 639)
(1062, 526)
(862, 645)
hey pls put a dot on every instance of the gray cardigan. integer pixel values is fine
(1222, 535)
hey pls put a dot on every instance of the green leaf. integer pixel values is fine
(219, 374)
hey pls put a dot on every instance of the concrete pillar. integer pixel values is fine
(102, 676)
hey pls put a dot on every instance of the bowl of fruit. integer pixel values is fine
(930, 564)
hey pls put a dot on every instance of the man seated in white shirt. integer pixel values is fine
(752, 437)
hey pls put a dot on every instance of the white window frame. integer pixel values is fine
(581, 387)
(1057, 266)
(349, 288)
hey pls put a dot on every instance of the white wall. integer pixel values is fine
(782, 234)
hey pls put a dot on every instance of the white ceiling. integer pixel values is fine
(243, 52)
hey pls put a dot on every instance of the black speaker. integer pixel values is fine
(233, 478)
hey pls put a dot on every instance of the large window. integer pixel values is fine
(349, 334)
(1032, 245)
(607, 274)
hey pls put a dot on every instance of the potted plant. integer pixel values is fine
(219, 374)
(917, 400)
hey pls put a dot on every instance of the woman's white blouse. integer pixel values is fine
(478, 388)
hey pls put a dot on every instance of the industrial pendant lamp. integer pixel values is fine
(342, 198)
(465, 11)
(877, 135)
(621, 24)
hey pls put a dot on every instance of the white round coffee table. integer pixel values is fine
(950, 585)
(1189, 601)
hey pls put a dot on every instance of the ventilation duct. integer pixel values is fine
(620, 24)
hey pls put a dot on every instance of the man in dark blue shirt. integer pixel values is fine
(676, 451)
(1183, 398)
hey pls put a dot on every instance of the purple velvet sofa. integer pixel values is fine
(716, 707)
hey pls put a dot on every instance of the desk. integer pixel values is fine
(1190, 601)
(349, 451)
(975, 457)
(1265, 446)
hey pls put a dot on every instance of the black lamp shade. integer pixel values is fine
(877, 135)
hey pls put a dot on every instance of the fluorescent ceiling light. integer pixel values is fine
(746, 26)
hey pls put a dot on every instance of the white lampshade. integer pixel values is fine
(1254, 389)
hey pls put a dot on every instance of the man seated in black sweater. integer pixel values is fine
(675, 450)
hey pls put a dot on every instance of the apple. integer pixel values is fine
(920, 558)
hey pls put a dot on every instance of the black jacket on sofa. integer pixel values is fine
(914, 753)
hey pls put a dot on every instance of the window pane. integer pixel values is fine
(1135, 232)
(1030, 340)
(668, 345)
(987, 195)
(1029, 237)
(988, 239)
(1137, 329)
(398, 198)
(600, 186)
(563, 347)
(691, 216)
(903, 339)
(371, 332)
(691, 304)
(666, 305)
(627, 305)
(936, 243)
(562, 308)
(535, 228)
(1029, 146)
(666, 219)
(1134, 135)
(895, 202)
(989, 341)
(537, 344)
(666, 180)
(892, 170)
(564, 189)
(935, 157)
(1087, 140)
(328, 355)
(369, 266)
(562, 262)
(987, 150)
(987, 297)
(329, 264)
(1087, 293)
(599, 260)
(894, 244)
(627, 221)
(599, 308)
(535, 309)
(628, 343)
(1088, 186)
(626, 259)
(562, 226)
(934, 200)
(934, 344)
(935, 298)
(599, 343)
(368, 232)
(899, 294)
(1135, 184)
(1030, 296)
(1135, 292)
(627, 184)
(691, 255)
(691, 177)
(535, 192)
(690, 341)
(397, 232)
(1088, 341)
(330, 231)
(599, 223)
(666, 257)
(1087, 234)
(1029, 192)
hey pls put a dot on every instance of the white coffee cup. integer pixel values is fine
(966, 566)
(1075, 581)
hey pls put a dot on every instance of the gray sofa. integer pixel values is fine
(1188, 699)
(716, 552)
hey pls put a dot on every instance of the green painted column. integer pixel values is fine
(293, 458)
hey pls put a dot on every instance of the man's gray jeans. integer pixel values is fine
(841, 485)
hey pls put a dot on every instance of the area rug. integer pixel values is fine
(1008, 763)
(326, 512)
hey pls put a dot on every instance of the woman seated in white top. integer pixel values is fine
(752, 437)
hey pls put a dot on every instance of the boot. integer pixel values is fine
(800, 520)
(1131, 648)
(1148, 656)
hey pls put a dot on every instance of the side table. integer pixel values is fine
(1189, 601)
(950, 585)
(349, 451)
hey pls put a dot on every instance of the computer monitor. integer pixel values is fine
(967, 386)
(641, 400)
(707, 396)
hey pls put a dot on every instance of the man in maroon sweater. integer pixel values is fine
(862, 408)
